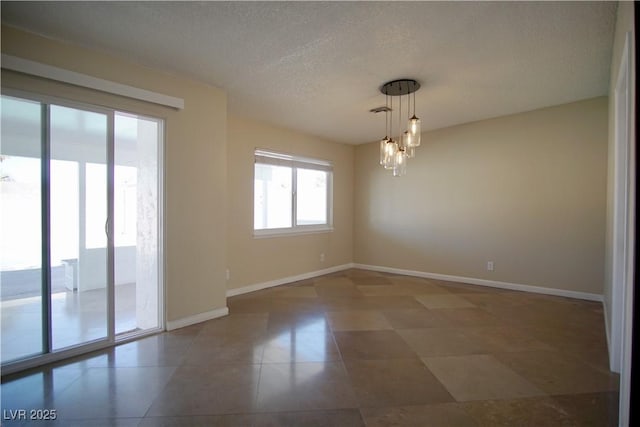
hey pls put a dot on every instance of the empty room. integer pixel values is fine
(317, 213)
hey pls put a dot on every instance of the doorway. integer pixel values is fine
(80, 226)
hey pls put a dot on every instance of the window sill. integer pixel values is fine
(282, 232)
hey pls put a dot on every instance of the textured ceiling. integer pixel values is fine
(317, 66)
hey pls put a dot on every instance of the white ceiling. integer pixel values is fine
(317, 66)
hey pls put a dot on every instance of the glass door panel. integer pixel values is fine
(136, 218)
(78, 215)
(21, 278)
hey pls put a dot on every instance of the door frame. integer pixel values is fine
(622, 269)
(111, 338)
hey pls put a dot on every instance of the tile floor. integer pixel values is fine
(354, 348)
(76, 317)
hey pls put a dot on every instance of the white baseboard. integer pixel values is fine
(285, 280)
(483, 282)
(197, 318)
(470, 280)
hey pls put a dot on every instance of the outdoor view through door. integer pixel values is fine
(64, 281)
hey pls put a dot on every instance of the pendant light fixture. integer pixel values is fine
(394, 152)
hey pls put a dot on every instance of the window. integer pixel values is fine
(291, 194)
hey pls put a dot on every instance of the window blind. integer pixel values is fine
(288, 160)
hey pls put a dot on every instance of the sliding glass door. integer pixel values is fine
(80, 227)
(78, 213)
(21, 245)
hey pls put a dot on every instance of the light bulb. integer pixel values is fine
(406, 139)
(410, 140)
(391, 148)
(400, 163)
(383, 143)
(414, 129)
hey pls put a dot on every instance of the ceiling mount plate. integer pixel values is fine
(400, 87)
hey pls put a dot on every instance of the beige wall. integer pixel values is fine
(624, 24)
(253, 261)
(525, 191)
(195, 160)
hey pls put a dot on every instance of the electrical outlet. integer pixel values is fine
(322, 257)
(489, 265)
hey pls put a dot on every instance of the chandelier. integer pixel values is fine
(396, 150)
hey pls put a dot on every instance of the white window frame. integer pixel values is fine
(294, 162)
